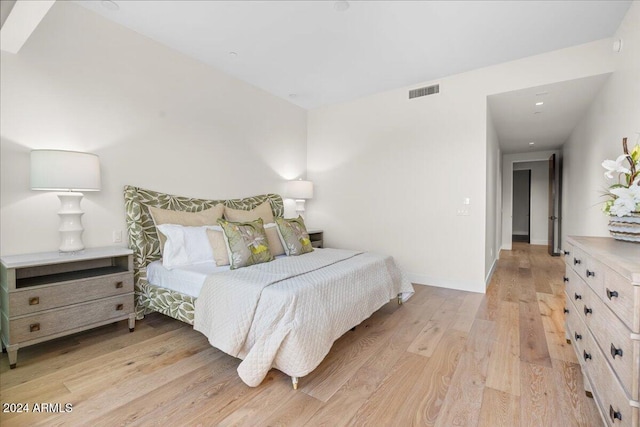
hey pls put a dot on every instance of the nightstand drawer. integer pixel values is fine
(51, 322)
(32, 300)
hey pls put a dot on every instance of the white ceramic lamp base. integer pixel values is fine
(300, 207)
(70, 222)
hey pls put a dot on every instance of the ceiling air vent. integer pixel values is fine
(424, 91)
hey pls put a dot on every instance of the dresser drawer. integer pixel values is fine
(32, 300)
(621, 296)
(610, 397)
(615, 341)
(59, 320)
(575, 287)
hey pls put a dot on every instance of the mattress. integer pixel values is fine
(186, 280)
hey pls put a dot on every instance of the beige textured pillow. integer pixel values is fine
(194, 219)
(262, 211)
(275, 244)
(216, 239)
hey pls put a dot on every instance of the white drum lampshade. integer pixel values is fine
(299, 191)
(68, 172)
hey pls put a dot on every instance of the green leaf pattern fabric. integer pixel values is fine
(247, 243)
(294, 235)
(143, 240)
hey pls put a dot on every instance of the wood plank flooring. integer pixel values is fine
(444, 358)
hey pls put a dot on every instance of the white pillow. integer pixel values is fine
(185, 245)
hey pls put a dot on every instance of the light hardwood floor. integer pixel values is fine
(445, 358)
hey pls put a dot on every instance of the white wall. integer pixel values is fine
(614, 114)
(156, 118)
(539, 200)
(493, 218)
(391, 173)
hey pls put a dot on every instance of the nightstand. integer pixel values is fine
(50, 295)
(316, 237)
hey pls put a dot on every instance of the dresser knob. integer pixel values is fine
(612, 294)
(567, 253)
(577, 335)
(566, 310)
(565, 279)
(34, 300)
(120, 307)
(586, 355)
(576, 261)
(615, 351)
(34, 327)
(614, 415)
(577, 296)
(587, 310)
(119, 285)
(591, 273)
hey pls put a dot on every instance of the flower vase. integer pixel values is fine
(625, 227)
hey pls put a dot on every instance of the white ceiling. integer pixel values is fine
(313, 55)
(519, 121)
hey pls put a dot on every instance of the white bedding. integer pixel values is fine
(187, 279)
(287, 313)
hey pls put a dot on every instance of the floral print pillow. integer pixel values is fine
(295, 238)
(247, 243)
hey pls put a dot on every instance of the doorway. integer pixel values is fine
(521, 206)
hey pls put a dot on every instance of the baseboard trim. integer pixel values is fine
(487, 279)
(420, 279)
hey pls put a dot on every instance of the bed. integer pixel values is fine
(282, 314)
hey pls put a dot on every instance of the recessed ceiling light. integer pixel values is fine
(293, 95)
(532, 143)
(341, 6)
(233, 55)
(542, 93)
(537, 112)
(109, 5)
(539, 103)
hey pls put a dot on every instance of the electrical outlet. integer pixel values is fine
(117, 236)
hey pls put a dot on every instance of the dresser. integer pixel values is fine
(602, 315)
(48, 295)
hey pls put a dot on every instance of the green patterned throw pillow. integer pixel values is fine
(247, 243)
(295, 238)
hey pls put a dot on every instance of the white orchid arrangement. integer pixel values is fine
(624, 196)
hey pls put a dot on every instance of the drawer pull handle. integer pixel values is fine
(34, 327)
(612, 294)
(119, 285)
(577, 335)
(576, 261)
(615, 351)
(586, 355)
(566, 310)
(577, 296)
(565, 279)
(567, 253)
(587, 310)
(591, 273)
(34, 300)
(614, 415)
(120, 307)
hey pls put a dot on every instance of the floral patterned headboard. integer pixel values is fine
(143, 237)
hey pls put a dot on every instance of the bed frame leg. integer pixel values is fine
(294, 382)
(399, 299)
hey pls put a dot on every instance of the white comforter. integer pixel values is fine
(287, 313)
